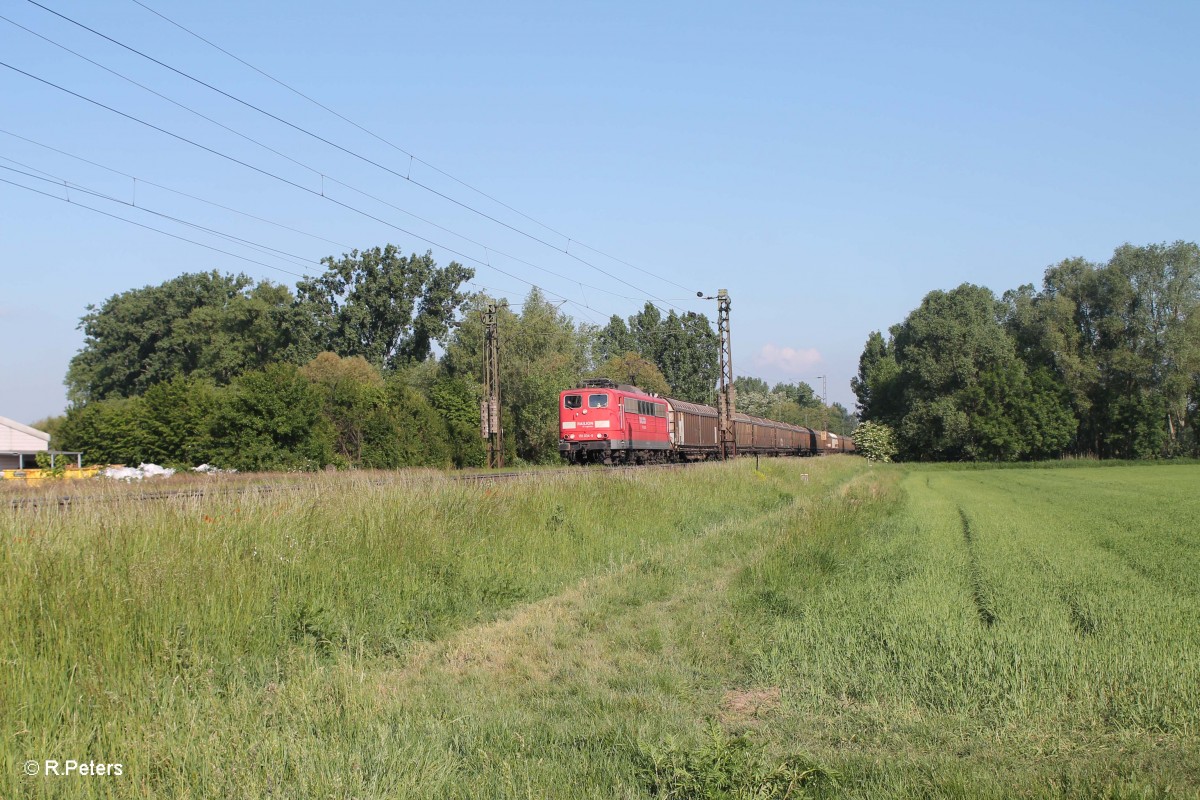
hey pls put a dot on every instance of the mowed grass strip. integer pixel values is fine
(222, 646)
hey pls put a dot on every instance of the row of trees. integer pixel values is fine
(1104, 360)
(342, 369)
(378, 304)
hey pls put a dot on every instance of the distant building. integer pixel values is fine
(20, 444)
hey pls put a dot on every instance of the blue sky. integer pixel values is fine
(829, 164)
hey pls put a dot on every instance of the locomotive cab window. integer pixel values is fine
(573, 400)
(597, 401)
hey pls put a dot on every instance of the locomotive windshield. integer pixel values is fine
(573, 400)
(597, 401)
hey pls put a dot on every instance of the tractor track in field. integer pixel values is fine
(981, 593)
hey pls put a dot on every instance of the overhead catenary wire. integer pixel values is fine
(294, 258)
(296, 230)
(292, 183)
(256, 142)
(400, 149)
(166, 188)
(345, 150)
(93, 209)
(147, 227)
(314, 170)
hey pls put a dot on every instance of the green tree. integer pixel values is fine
(799, 393)
(747, 383)
(204, 325)
(876, 383)
(613, 340)
(841, 420)
(752, 396)
(1149, 294)
(689, 357)
(1119, 341)
(684, 348)
(406, 432)
(962, 387)
(383, 306)
(456, 400)
(259, 327)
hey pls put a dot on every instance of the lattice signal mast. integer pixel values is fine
(726, 392)
(489, 407)
(727, 403)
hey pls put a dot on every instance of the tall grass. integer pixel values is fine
(192, 639)
(884, 631)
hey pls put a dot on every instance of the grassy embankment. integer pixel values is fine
(874, 632)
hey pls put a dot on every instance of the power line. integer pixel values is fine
(160, 95)
(147, 227)
(57, 181)
(288, 182)
(193, 241)
(312, 169)
(137, 179)
(165, 188)
(199, 227)
(237, 133)
(400, 149)
(345, 150)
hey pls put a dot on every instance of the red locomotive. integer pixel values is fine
(602, 422)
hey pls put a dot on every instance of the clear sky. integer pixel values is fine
(827, 163)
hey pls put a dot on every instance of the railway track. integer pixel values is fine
(67, 501)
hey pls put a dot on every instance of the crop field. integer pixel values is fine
(721, 631)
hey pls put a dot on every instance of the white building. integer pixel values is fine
(20, 444)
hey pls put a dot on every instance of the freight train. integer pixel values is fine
(606, 423)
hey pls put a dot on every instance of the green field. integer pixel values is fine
(882, 631)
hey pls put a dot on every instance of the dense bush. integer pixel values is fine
(332, 411)
(271, 420)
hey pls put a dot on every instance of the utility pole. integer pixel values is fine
(489, 407)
